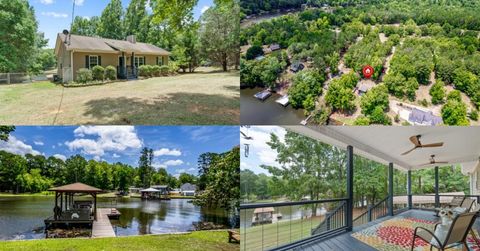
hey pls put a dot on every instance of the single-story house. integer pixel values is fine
(74, 52)
(275, 47)
(296, 67)
(188, 189)
(163, 189)
(419, 117)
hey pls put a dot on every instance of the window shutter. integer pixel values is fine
(157, 60)
(87, 62)
(100, 60)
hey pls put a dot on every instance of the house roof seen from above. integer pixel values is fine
(93, 44)
(76, 187)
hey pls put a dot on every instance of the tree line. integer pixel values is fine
(315, 170)
(213, 40)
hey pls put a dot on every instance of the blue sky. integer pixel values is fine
(176, 148)
(56, 15)
(259, 152)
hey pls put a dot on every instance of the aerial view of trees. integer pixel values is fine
(307, 85)
(454, 112)
(374, 104)
(340, 93)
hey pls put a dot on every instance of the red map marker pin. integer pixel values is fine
(367, 71)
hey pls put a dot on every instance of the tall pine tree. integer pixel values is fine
(111, 25)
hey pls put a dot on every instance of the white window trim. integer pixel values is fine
(90, 61)
(136, 61)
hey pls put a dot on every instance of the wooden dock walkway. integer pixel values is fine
(102, 226)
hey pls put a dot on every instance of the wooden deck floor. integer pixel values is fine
(102, 226)
(347, 242)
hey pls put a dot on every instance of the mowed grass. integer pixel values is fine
(268, 236)
(200, 240)
(207, 97)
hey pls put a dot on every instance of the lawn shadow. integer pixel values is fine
(233, 88)
(173, 109)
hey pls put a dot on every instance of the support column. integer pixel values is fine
(390, 189)
(56, 203)
(349, 212)
(95, 206)
(409, 189)
(437, 197)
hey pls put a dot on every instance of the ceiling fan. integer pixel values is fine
(433, 161)
(416, 141)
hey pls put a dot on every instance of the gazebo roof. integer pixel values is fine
(385, 144)
(76, 187)
(150, 190)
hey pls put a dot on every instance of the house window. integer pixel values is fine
(93, 61)
(139, 61)
(160, 61)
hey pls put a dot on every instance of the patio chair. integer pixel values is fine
(456, 235)
(456, 202)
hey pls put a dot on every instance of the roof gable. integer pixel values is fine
(76, 187)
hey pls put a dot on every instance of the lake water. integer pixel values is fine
(21, 217)
(256, 112)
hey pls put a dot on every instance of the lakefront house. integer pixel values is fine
(74, 52)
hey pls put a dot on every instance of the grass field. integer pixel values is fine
(200, 240)
(204, 97)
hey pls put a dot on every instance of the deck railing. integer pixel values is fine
(274, 225)
(443, 200)
(333, 220)
(376, 211)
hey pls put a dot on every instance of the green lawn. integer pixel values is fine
(276, 234)
(200, 240)
(204, 97)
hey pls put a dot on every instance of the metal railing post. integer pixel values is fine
(349, 214)
(369, 214)
(409, 189)
(437, 197)
(390, 189)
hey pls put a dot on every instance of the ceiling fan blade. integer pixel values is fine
(426, 164)
(407, 152)
(414, 140)
(244, 135)
(433, 145)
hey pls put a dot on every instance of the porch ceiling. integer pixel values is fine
(386, 144)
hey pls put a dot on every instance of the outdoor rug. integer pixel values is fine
(397, 234)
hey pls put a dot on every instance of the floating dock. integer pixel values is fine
(262, 95)
(283, 100)
(102, 226)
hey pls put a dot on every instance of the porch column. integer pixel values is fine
(56, 204)
(95, 206)
(437, 197)
(409, 189)
(349, 212)
(390, 189)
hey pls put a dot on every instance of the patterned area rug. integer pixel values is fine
(397, 234)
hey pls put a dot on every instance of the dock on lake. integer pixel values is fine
(102, 226)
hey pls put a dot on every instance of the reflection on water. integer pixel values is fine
(256, 112)
(21, 217)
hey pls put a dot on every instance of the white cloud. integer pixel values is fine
(46, 2)
(109, 138)
(159, 165)
(176, 162)
(60, 156)
(205, 8)
(79, 2)
(201, 133)
(259, 147)
(167, 152)
(54, 14)
(38, 143)
(13, 145)
(191, 169)
(116, 155)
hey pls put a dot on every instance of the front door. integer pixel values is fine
(121, 66)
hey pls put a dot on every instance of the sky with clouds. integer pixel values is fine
(176, 148)
(54, 16)
(259, 152)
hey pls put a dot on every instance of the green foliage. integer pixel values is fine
(455, 95)
(254, 51)
(164, 70)
(157, 70)
(401, 87)
(111, 72)
(111, 25)
(85, 26)
(84, 75)
(260, 73)
(378, 116)
(473, 115)
(375, 97)
(186, 50)
(98, 73)
(454, 113)
(437, 91)
(362, 121)
(414, 59)
(144, 70)
(340, 93)
(5, 132)
(222, 186)
(322, 115)
(18, 39)
(219, 34)
(173, 67)
(307, 85)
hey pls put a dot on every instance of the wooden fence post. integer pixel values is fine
(8, 78)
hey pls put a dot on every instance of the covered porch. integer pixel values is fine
(345, 227)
